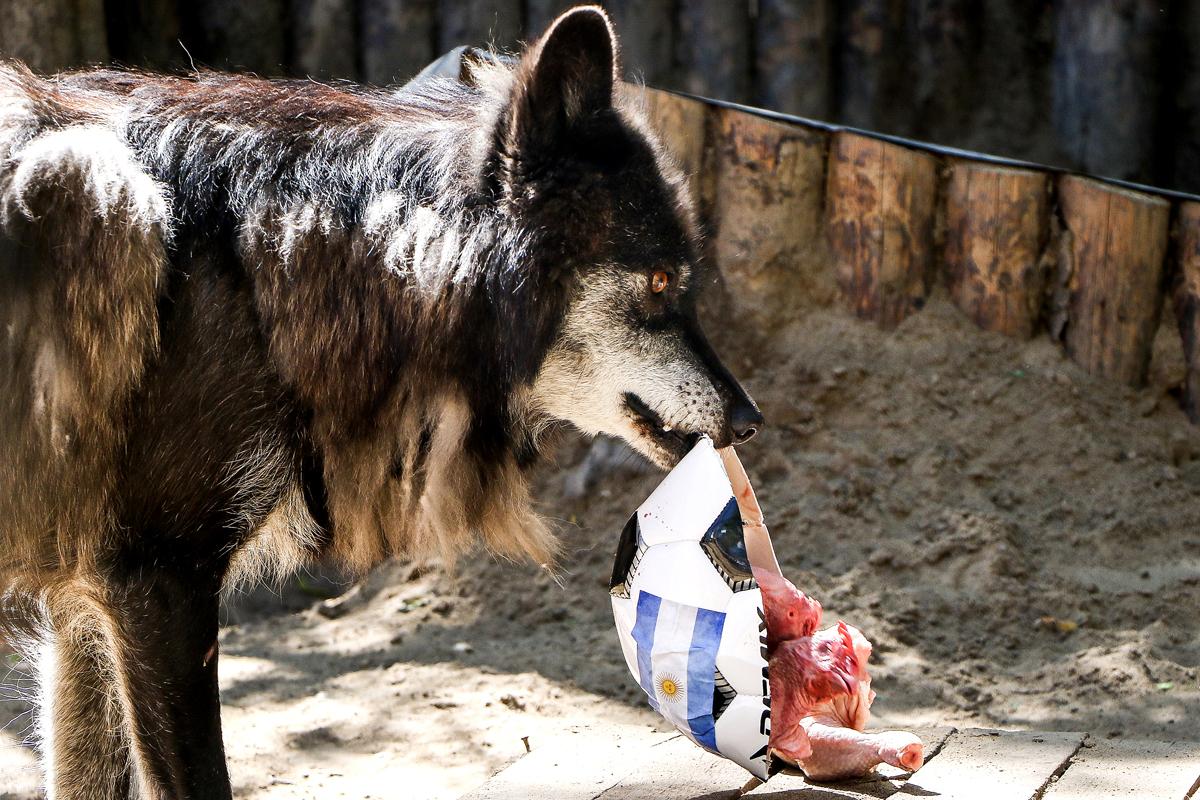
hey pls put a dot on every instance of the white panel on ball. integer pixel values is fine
(688, 499)
(740, 655)
(663, 566)
(743, 732)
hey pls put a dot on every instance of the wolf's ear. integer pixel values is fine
(563, 81)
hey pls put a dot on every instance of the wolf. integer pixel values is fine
(252, 323)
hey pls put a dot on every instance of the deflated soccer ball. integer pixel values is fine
(690, 615)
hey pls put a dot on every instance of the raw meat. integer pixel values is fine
(821, 693)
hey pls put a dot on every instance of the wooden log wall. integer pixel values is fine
(766, 212)
(798, 212)
(1107, 58)
(997, 227)
(1186, 296)
(1110, 87)
(1117, 253)
(792, 207)
(880, 225)
(793, 56)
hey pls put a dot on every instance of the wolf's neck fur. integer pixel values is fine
(392, 288)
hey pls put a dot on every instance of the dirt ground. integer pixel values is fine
(1020, 540)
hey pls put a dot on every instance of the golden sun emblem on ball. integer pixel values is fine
(670, 689)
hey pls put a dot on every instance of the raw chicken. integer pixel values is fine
(821, 693)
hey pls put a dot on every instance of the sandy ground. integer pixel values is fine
(1018, 539)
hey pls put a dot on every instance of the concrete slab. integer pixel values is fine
(679, 770)
(1120, 768)
(579, 766)
(636, 763)
(981, 764)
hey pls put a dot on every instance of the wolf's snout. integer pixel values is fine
(744, 421)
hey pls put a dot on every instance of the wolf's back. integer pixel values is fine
(82, 259)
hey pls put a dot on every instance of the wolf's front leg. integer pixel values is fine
(79, 718)
(167, 664)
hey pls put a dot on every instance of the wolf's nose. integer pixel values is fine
(745, 420)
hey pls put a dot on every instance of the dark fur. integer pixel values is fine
(255, 322)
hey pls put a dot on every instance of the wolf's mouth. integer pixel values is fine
(652, 426)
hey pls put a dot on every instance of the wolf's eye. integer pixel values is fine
(659, 281)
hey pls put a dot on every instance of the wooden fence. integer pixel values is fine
(1022, 248)
(1103, 86)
